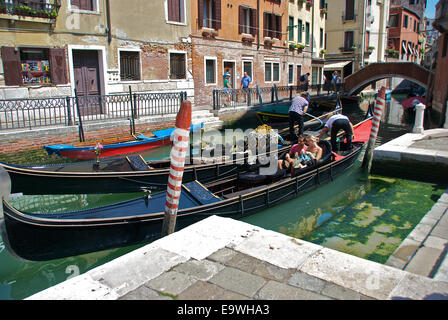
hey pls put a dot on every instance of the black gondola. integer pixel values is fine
(117, 175)
(49, 236)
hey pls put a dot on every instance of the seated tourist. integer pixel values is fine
(296, 150)
(312, 154)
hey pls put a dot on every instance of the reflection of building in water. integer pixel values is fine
(50, 203)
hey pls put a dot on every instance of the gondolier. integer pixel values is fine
(336, 123)
(298, 108)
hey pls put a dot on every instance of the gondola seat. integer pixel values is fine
(254, 179)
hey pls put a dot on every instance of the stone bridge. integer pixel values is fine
(357, 81)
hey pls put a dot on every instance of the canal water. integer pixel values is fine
(364, 215)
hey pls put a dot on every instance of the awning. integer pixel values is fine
(336, 65)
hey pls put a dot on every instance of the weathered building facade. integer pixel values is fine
(259, 37)
(96, 47)
(439, 89)
(356, 33)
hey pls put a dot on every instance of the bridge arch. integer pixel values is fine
(357, 81)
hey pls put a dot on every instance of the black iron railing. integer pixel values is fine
(31, 8)
(225, 98)
(32, 113)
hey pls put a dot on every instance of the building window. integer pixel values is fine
(393, 20)
(176, 10)
(178, 66)
(34, 66)
(271, 72)
(445, 44)
(321, 38)
(87, 5)
(299, 31)
(349, 10)
(348, 40)
(210, 71)
(291, 74)
(291, 28)
(405, 21)
(272, 25)
(129, 65)
(307, 33)
(247, 67)
(247, 20)
(209, 14)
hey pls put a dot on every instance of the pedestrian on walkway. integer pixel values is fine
(245, 82)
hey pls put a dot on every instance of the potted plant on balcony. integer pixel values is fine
(323, 11)
(300, 48)
(323, 52)
(309, 3)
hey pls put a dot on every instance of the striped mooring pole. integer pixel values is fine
(377, 115)
(179, 149)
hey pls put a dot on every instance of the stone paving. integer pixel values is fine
(225, 259)
(425, 249)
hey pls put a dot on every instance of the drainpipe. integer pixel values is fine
(109, 24)
(258, 24)
(312, 35)
(363, 30)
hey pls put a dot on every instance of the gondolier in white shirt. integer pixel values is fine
(298, 108)
(334, 124)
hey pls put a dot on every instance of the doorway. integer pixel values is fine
(87, 81)
(229, 66)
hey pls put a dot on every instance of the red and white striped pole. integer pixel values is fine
(377, 115)
(179, 151)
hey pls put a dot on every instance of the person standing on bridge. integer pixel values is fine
(299, 107)
(334, 124)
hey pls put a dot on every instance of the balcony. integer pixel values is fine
(26, 10)
(441, 18)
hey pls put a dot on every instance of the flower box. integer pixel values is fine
(209, 32)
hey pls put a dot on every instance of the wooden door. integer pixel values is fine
(87, 81)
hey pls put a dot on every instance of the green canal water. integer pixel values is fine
(364, 215)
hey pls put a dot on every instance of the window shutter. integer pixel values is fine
(75, 3)
(217, 16)
(272, 25)
(58, 66)
(240, 19)
(200, 13)
(11, 66)
(174, 10)
(278, 27)
(253, 22)
(265, 25)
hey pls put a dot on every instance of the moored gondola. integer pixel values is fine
(48, 236)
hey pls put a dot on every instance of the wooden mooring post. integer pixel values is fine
(377, 115)
(5, 188)
(181, 141)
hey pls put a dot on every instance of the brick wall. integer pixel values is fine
(24, 142)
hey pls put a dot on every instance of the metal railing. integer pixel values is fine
(32, 113)
(233, 98)
(35, 8)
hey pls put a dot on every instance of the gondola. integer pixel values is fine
(113, 175)
(314, 119)
(114, 146)
(40, 237)
(121, 175)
